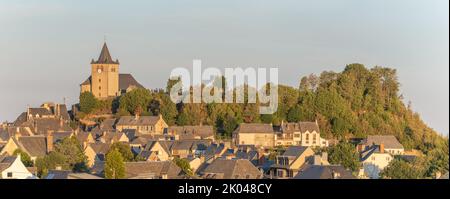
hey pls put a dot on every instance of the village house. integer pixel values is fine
(300, 134)
(231, 169)
(142, 124)
(157, 151)
(374, 160)
(390, 142)
(34, 146)
(12, 168)
(191, 132)
(289, 164)
(96, 152)
(259, 135)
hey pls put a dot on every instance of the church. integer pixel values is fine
(105, 80)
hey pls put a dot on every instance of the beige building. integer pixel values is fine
(105, 80)
(300, 134)
(290, 163)
(390, 143)
(374, 160)
(142, 124)
(260, 135)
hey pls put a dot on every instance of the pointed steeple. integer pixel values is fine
(105, 56)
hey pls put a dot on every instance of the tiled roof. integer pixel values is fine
(152, 169)
(142, 120)
(232, 169)
(36, 146)
(190, 132)
(105, 57)
(127, 80)
(40, 111)
(295, 151)
(389, 141)
(255, 128)
(324, 172)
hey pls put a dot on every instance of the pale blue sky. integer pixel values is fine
(46, 46)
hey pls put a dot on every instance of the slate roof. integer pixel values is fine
(65, 174)
(300, 126)
(389, 141)
(324, 172)
(22, 118)
(105, 57)
(141, 121)
(36, 146)
(295, 151)
(40, 111)
(44, 125)
(254, 128)
(127, 80)
(231, 169)
(190, 132)
(152, 169)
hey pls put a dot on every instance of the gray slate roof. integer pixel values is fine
(231, 169)
(324, 172)
(152, 169)
(105, 57)
(141, 121)
(389, 141)
(255, 128)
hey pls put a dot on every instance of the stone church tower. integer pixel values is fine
(105, 80)
(104, 76)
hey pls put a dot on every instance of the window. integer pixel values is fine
(307, 137)
(373, 158)
(9, 175)
(99, 88)
(296, 135)
(280, 173)
(99, 80)
(99, 94)
(113, 70)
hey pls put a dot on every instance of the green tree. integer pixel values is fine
(184, 165)
(73, 152)
(50, 161)
(88, 102)
(134, 99)
(124, 149)
(400, 169)
(182, 119)
(24, 157)
(115, 165)
(344, 154)
(294, 114)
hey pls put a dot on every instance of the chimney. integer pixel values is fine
(381, 148)
(49, 141)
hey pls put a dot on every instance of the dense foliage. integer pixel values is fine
(351, 104)
(344, 154)
(114, 166)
